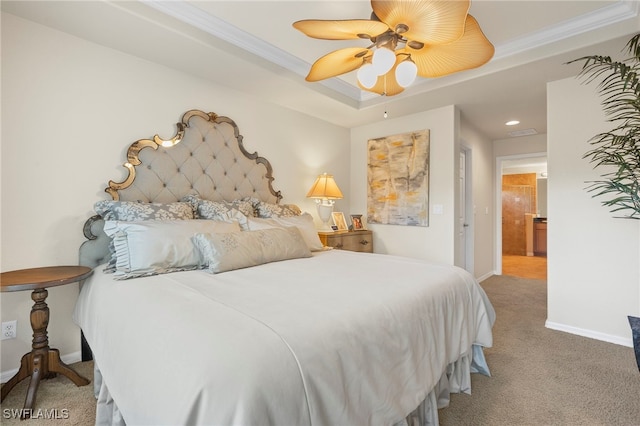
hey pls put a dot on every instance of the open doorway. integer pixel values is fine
(521, 215)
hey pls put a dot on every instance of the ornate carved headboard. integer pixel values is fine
(205, 157)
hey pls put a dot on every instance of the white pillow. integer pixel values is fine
(225, 252)
(304, 223)
(153, 247)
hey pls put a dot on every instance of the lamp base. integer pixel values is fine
(326, 228)
(324, 211)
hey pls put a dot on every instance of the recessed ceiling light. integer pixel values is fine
(512, 123)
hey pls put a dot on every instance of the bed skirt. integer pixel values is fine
(456, 379)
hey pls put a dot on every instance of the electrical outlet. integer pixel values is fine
(9, 329)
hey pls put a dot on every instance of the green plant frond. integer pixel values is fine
(624, 202)
(618, 149)
(620, 81)
(588, 60)
(605, 142)
(616, 96)
(611, 75)
(633, 46)
(631, 80)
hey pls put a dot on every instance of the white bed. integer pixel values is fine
(330, 337)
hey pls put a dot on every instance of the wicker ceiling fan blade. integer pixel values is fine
(386, 84)
(428, 21)
(337, 62)
(470, 51)
(340, 30)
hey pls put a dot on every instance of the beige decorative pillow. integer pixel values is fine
(226, 252)
(304, 223)
(153, 247)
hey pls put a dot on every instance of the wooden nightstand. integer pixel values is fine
(42, 362)
(361, 241)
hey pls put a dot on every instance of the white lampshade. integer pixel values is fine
(383, 60)
(406, 73)
(367, 76)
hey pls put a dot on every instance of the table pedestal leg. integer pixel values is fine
(42, 362)
(36, 376)
(22, 374)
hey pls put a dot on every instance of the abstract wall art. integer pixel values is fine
(398, 179)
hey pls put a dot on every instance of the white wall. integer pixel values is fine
(438, 241)
(70, 109)
(482, 178)
(594, 259)
(435, 242)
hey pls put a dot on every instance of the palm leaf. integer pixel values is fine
(619, 148)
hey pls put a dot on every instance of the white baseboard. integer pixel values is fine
(485, 276)
(67, 359)
(590, 333)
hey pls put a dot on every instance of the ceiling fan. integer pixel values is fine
(429, 38)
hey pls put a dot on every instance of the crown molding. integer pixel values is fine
(221, 29)
(608, 15)
(187, 13)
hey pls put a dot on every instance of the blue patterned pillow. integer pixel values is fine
(222, 210)
(267, 210)
(134, 211)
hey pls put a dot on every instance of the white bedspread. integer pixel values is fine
(339, 338)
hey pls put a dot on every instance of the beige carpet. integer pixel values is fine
(539, 376)
(545, 377)
(57, 397)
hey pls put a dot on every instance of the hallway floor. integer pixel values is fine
(525, 266)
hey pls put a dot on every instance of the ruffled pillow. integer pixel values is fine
(154, 247)
(136, 211)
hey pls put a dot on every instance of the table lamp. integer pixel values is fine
(325, 190)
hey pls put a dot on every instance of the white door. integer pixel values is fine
(462, 212)
(462, 224)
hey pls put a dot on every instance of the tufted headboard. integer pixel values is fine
(205, 157)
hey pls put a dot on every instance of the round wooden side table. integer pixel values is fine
(42, 362)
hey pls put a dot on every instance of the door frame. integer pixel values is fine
(498, 200)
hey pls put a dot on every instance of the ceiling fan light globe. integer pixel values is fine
(406, 73)
(383, 60)
(367, 76)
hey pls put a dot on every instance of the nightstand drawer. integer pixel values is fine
(361, 241)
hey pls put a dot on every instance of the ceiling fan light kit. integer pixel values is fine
(409, 38)
(406, 73)
(383, 60)
(367, 76)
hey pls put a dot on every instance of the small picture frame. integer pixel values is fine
(339, 221)
(356, 222)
